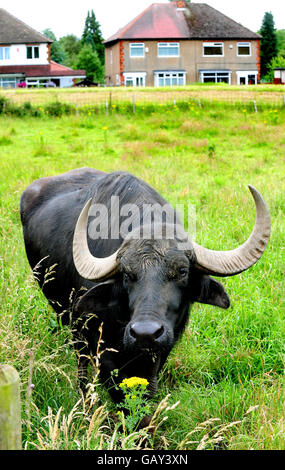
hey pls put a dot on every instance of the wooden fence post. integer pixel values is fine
(10, 409)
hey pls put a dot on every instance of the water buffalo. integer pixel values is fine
(135, 291)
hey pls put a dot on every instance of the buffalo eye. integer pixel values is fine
(178, 274)
(183, 272)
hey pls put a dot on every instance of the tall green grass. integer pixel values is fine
(227, 372)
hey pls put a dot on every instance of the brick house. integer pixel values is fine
(25, 57)
(178, 43)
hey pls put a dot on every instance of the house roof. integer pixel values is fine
(195, 21)
(50, 70)
(205, 22)
(14, 31)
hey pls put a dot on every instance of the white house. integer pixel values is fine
(25, 57)
(279, 76)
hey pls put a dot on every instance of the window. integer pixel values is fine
(244, 49)
(168, 49)
(33, 52)
(247, 77)
(135, 79)
(170, 78)
(7, 82)
(137, 49)
(213, 49)
(4, 53)
(215, 76)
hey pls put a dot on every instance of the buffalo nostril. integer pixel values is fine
(159, 332)
(133, 333)
(146, 330)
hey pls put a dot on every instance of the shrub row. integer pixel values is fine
(54, 108)
(57, 108)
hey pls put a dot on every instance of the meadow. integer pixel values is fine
(223, 385)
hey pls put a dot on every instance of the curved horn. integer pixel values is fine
(229, 263)
(86, 264)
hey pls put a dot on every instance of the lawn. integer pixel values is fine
(227, 372)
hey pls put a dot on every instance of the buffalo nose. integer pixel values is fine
(146, 331)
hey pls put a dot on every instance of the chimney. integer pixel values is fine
(180, 4)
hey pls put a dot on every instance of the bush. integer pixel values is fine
(3, 104)
(57, 109)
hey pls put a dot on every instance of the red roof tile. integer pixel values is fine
(158, 21)
(50, 70)
(195, 21)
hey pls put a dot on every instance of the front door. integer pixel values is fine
(246, 78)
(134, 79)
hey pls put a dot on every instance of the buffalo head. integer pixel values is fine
(161, 281)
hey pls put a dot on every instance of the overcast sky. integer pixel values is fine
(68, 17)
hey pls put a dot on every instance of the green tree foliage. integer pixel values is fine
(92, 36)
(268, 45)
(88, 60)
(71, 46)
(57, 52)
(281, 42)
(276, 62)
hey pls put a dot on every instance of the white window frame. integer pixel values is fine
(134, 45)
(243, 44)
(173, 45)
(245, 74)
(5, 53)
(215, 74)
(5, 82)
(137, 78)
(169, 75)
(213, 44)
(33, 52)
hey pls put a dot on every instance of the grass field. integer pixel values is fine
(228, 371)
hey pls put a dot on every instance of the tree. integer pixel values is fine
(268, 44)
(276, 62)
(57, 52)
(90, 62)
(92, 36)
(281, 42)
(71, 46)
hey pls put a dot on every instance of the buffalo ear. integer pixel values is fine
(99, 298)
(209, 291)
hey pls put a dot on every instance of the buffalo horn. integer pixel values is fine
(86, 264)
(229, 263)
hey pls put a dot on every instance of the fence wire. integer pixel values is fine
(111, 97)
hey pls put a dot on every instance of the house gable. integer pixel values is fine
(14, 31)
(194, 21)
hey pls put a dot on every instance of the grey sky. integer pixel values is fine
(66, 17)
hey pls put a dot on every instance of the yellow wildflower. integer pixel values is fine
(133, 382)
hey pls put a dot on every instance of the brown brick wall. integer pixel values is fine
(191, 59)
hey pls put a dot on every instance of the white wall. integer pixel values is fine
(66, 82)
(18, 56)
